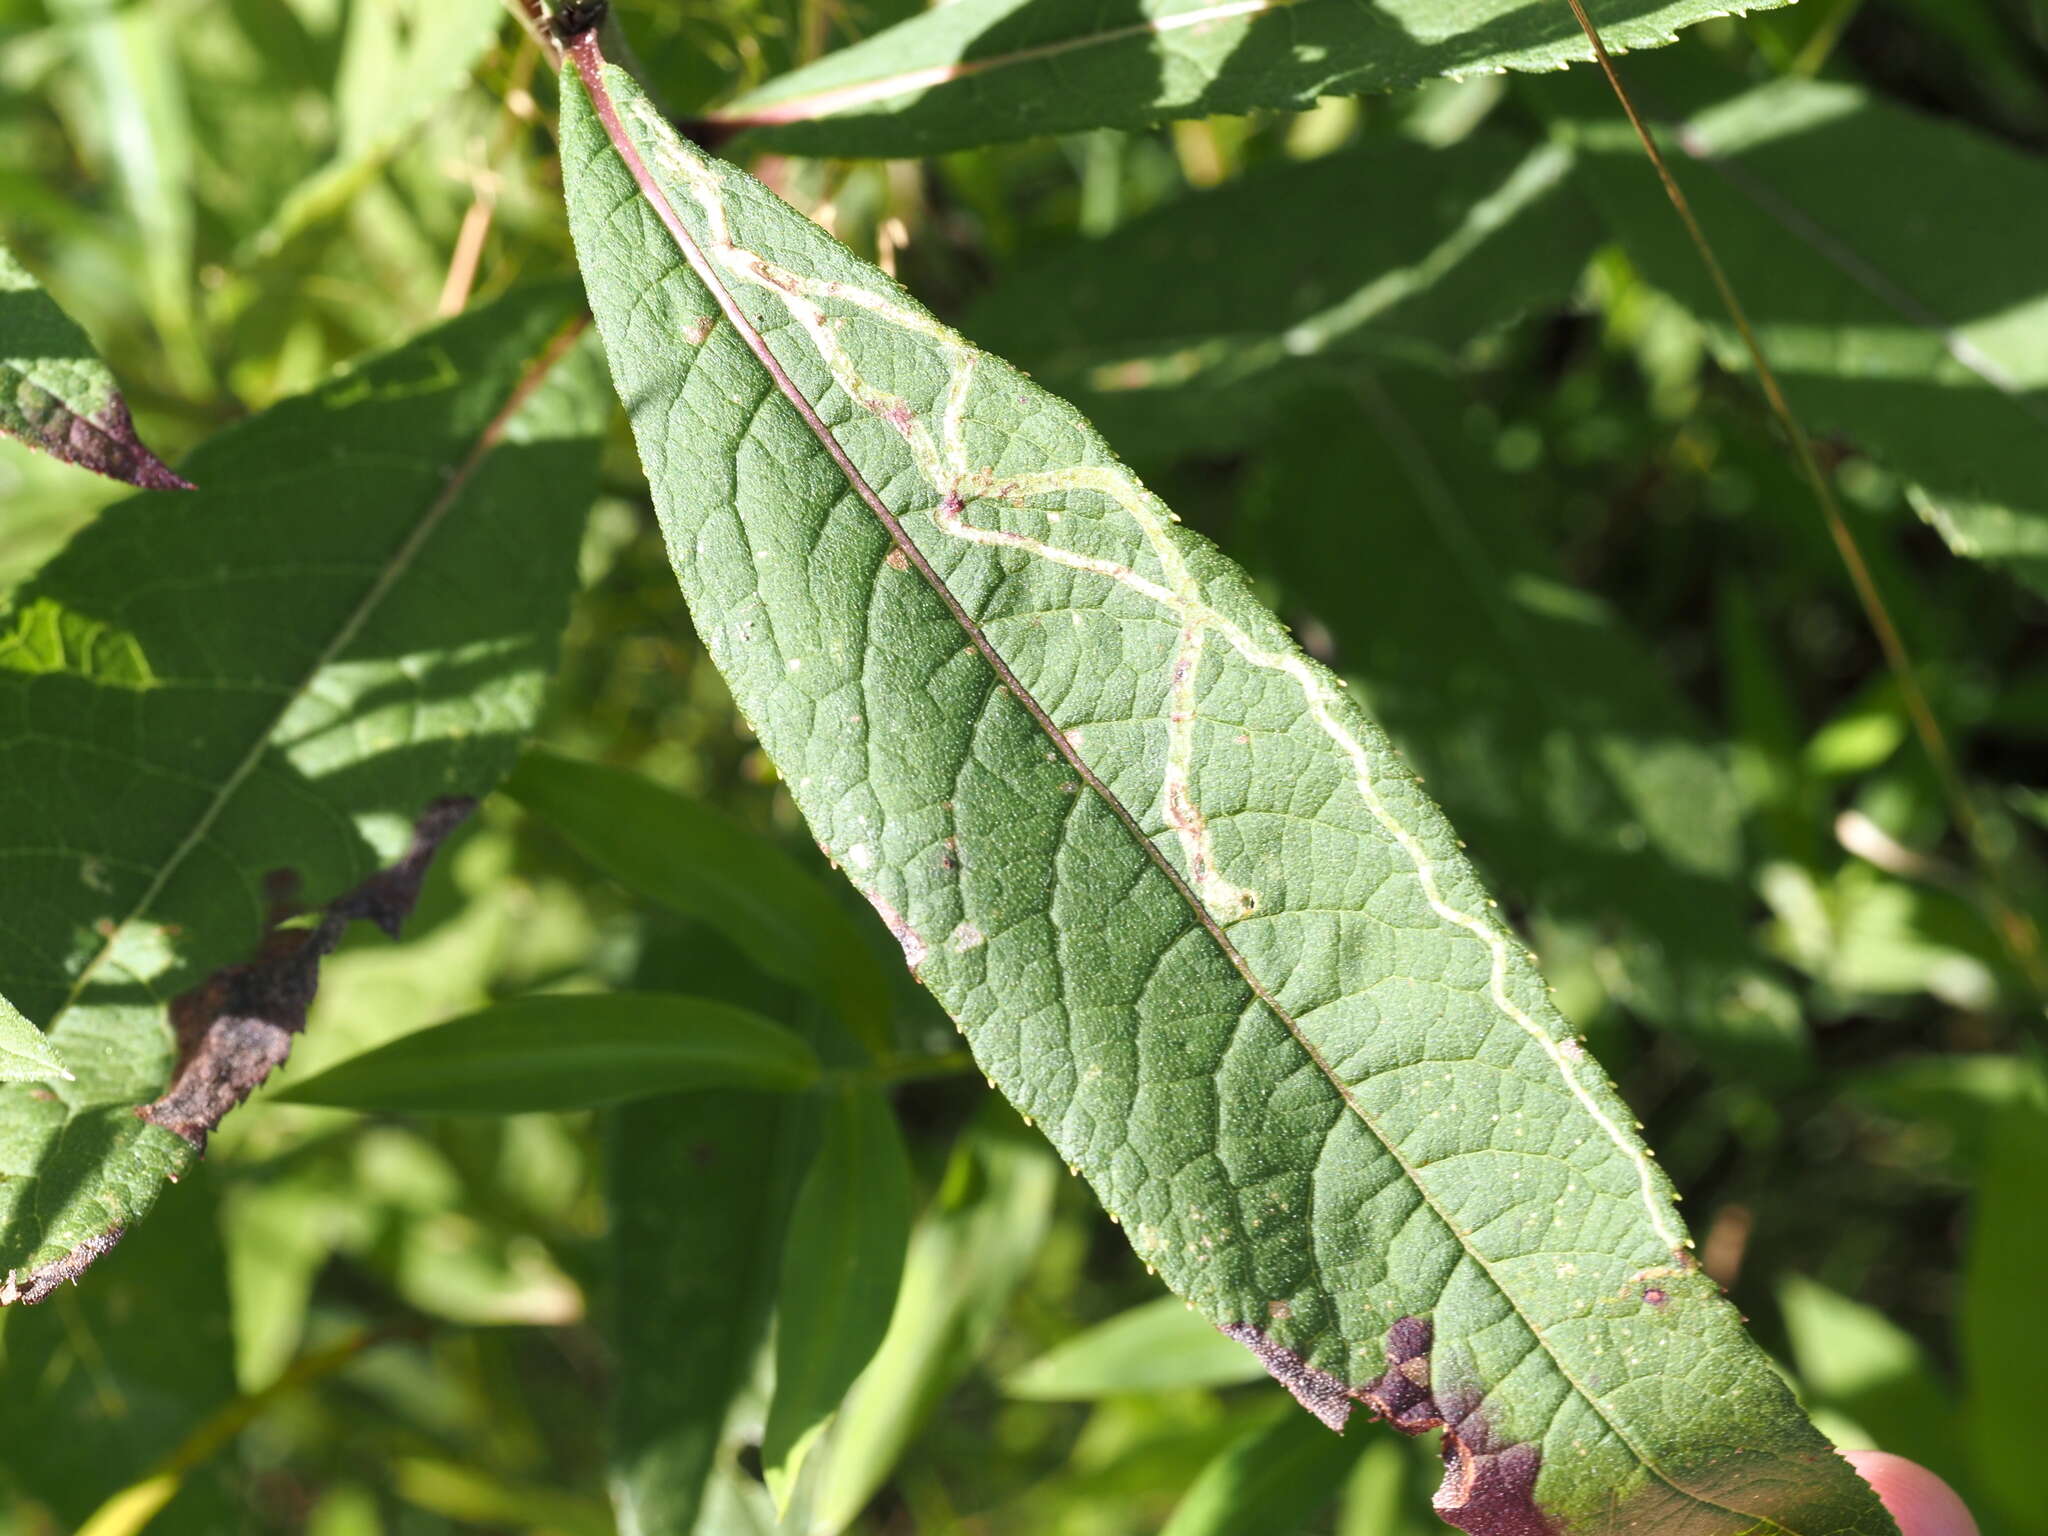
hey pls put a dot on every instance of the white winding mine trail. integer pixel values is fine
(943, 461)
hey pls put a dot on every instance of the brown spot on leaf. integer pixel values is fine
(1489, 1484)
(28, 1290)
(236, 1027)
(1318, 1391)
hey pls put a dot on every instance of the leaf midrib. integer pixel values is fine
(590, 65)
(393, 568)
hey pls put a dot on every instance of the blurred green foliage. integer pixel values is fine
(349, 1325)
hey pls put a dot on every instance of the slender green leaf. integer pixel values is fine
(1392, 249)
(2005, 1353)
(566, 1051)
(967, 1256)
(1575, 769)
(1192, 912)
(840, 1266)
(26, 1055)
(681, 853)
(699, 1187)
(56, 394)
(697, 1232)
(980, 71)
(1154, 1347)
(1269, 1482)
(1837, 217)
(344, 633)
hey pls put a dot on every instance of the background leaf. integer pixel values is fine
(1583, 780)
(1220, 945)
(271, 674)
(967, 1255)
(1157, 1345)
(683, 854)
(1390, 249)
(980, 71)
(1836, 216)
(567, 1052)
(840, 1267)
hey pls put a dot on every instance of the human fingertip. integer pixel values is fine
(1922, 1503)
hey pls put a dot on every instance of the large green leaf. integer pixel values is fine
(979, 71)
(56, 394)
(567, 1051)
(1577, 772)
(1192, 912)
(1897, 313)
(1290, 275)
(344, 633)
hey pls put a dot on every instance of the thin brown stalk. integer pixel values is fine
(2015, 929)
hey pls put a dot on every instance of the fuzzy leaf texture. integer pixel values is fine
(982, 71)
(56, 394)
(346, 632)
(1191, 911)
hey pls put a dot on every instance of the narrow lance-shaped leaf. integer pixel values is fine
(56, 394)
(1192, 912)
(310, 667)
(571, 1051)
(685, 855)
(968, 1254)
(1891, 265)
(980, 71)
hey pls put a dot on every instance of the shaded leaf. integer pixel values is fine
(980, 71)
(1286, 277)
(1192, 912)
(1579, 774)
(1836, 216)
(841, 1263)
(1154, 1347)
(352, 621)
(696, 1254)
(56, 394)
(687, 856)
(130, 1365)
(566, 1051)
